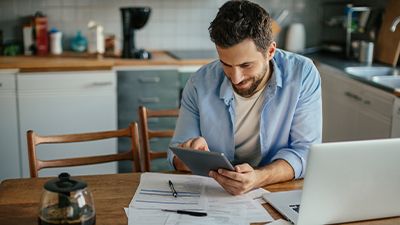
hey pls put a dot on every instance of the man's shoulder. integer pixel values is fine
(285, 57)
(209, 72)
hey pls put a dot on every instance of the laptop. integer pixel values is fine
(345, 181)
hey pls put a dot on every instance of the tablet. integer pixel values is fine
(201, 162)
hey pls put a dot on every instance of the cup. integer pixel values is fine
(366, 52)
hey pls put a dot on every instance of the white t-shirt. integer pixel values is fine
(247, 128)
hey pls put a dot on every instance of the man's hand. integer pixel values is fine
(245, 178)
(198, 143)
(237, 182)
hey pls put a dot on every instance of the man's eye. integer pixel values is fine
(245, 65)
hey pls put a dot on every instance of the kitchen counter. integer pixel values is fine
(79, 62)
(341, 63)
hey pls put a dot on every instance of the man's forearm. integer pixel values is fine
(277, 171)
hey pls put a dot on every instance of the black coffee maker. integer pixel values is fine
(133, 18)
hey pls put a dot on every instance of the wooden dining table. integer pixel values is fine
(19, 199)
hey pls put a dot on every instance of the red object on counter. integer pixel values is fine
(41, 37)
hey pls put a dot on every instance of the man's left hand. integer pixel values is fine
(242, 180)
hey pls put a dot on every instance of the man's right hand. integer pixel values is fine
(198, 143)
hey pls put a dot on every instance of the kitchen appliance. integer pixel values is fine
(133, 18)
(66, 201)
(295, 38)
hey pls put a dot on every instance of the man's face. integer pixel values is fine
(245, 66)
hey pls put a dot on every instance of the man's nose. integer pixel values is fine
(236, 76)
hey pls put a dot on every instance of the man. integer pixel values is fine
(259, 105)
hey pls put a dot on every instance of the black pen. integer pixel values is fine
(171, 185)
(191, 213)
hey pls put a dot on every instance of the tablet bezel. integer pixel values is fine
(201, 162)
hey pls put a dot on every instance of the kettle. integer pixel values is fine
(295, 38)
(66, 201)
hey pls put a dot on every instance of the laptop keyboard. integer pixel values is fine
(295, 207)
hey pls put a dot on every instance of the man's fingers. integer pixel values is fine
(199, 143)
(187, 143)
(231, 186)
(225, 180)
(243, 168)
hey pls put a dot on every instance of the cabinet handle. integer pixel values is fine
(353, 96)
(358, 98)
(149, 100)
(149, 79)
(1, 84)
(348, 94)
(104, 83)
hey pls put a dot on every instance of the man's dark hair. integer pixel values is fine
(239, 20)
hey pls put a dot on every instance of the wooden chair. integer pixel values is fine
(146, 134)
(36, 164)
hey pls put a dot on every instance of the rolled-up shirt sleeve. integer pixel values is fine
(306, 127)
(187, 125)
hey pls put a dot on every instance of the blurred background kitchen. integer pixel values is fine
(173, 24)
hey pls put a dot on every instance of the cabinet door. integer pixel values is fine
(68, 102)
(155, 89)
(9, 146)
(375, 114)
(340, 99)
(353, 110)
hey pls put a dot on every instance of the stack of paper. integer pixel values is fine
(195, 193)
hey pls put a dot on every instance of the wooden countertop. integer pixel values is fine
(79, 62)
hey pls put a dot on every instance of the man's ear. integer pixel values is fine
(271, 50)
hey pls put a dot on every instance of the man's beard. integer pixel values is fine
(256, 80)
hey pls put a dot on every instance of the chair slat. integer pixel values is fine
(35, 139)
(147, 134)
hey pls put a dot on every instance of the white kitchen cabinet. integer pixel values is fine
(353, 110)
(68, 102)
(9, 145)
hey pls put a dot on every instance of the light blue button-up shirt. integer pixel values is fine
(291, 117)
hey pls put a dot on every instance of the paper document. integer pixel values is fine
(234, 215)
(146, 216)
(257, 195)
(280, 222)
(194, 193)
(154, 192)
(256, 213)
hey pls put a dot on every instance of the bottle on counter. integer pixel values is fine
(79, 42)
(96, 38)
(27, 33)
(55, 42)
(40, 31)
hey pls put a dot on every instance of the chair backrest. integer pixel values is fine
(36, 164)
(146, 133)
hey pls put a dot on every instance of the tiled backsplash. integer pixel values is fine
(173, 24)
